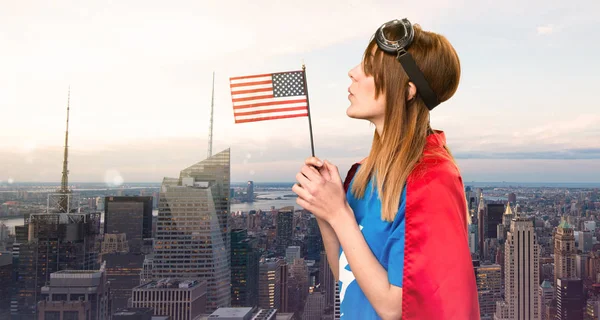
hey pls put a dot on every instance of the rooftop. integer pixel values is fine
(133, 312)
(170, 283)
(76, 274)
(230, 313)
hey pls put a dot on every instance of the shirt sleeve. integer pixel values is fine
(395, 252)
(396, 256)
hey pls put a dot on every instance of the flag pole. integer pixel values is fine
(312, 145)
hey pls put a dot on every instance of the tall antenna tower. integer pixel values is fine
(210, 129)
(63, 203)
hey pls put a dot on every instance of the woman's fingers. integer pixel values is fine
(313, 161)
(311, 173)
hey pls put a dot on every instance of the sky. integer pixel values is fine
(140, 76)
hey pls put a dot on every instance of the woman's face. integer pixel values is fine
(363, 104)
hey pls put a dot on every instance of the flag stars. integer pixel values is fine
(288, 84)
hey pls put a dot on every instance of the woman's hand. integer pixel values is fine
(320, 190)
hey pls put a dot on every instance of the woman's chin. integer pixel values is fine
(353, 114)
(350, 112)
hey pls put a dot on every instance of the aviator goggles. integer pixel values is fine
(405, 36)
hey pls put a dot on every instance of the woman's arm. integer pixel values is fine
(326, 199)
(330, 240)
(332, 246)
(372, 278)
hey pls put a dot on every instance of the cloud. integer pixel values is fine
(545, 30)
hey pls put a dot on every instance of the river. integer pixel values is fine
(263, 205)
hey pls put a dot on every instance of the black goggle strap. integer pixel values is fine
(416, 76)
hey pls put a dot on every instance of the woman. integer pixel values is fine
(395, 231)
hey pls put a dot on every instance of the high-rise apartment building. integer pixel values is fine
(521, 277)
(192, 236)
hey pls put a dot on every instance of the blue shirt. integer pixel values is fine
(386, 240)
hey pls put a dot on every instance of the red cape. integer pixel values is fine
(439, 279)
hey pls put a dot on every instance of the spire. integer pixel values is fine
(481, 203)
(210, 130)
(64, 183)
(508, 209)
(564, 224)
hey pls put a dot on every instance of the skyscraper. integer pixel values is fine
(570, 299)
(292, 253)
(250, 191)
(489, 288)
(508, 215)
(314, 306)
(326, 279)
(495, 211)
(6, 283)
(269, 284)
(123, 271)
(297, 286)
(285, 224)
(564, 252)
(131, 216)
(284, 281)
(337, 304)
(481, 224)
(192, 236)
(244, 269)
(55, 242)
(521, 279)
(546, 294)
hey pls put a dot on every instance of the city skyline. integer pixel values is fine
(141, 81)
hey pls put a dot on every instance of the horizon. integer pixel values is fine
(465, 183)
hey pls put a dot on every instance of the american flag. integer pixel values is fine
(268, 96)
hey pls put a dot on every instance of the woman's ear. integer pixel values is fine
(411, 92)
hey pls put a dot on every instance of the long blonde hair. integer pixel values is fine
(406, 126)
